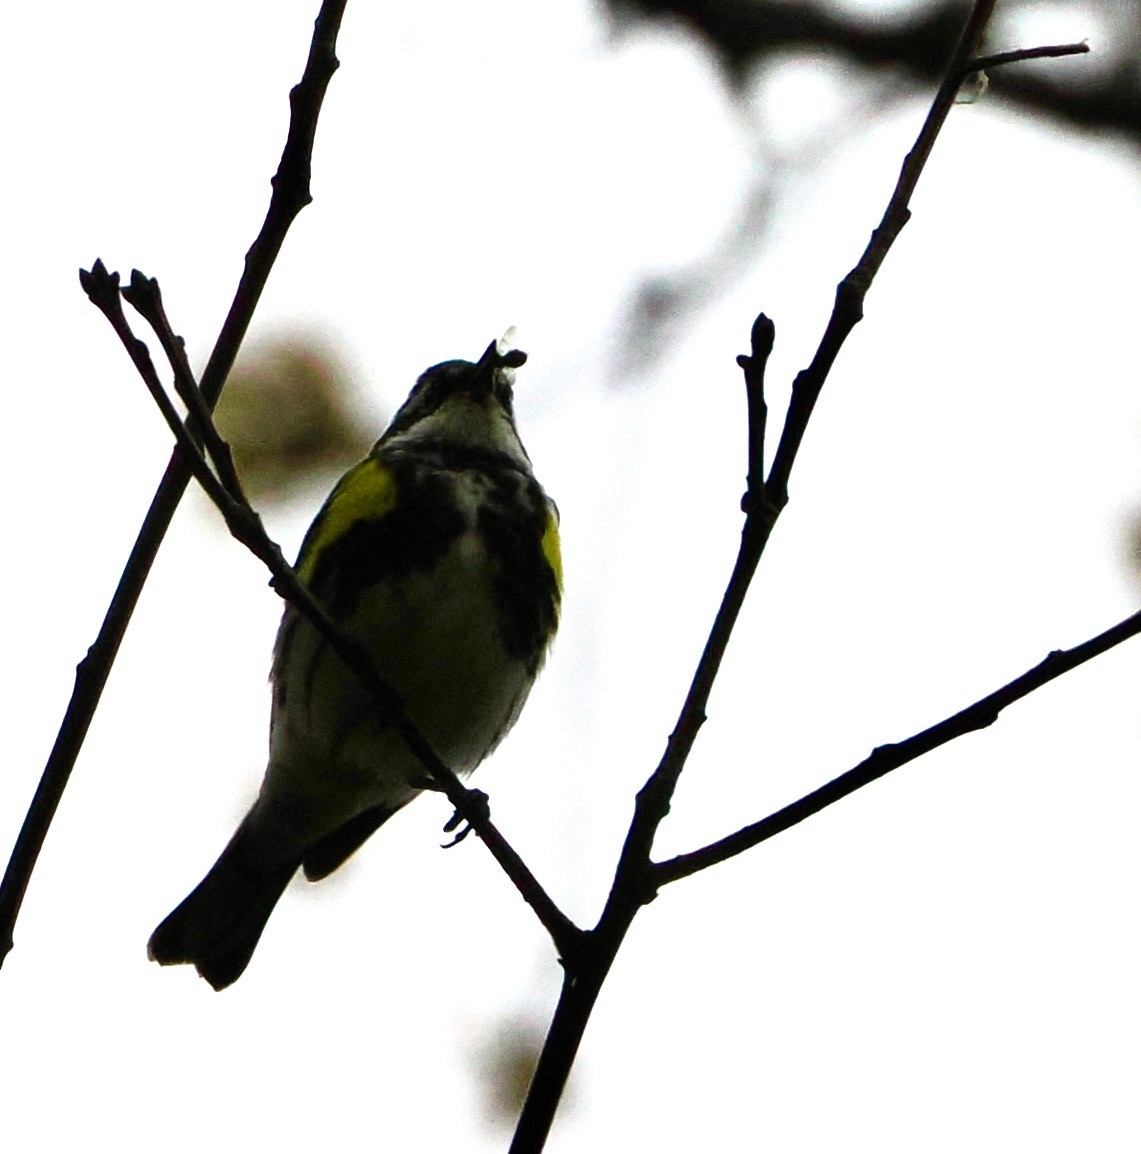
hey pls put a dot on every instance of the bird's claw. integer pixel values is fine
(457, 821)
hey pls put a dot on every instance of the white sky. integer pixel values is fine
(946, 961)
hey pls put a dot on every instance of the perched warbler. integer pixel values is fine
(440, 553)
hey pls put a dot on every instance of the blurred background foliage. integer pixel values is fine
(914, 40)
(502, 1063)
(875, 55)
(291, 412)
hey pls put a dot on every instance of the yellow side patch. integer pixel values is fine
(365, 493)
(551, 548)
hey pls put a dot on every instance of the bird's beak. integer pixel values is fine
(483, 375)
(497, 364)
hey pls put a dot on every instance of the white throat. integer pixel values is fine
(469, 423)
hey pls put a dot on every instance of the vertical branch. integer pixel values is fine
(576, 1001)
(290, 194)
(753, 366)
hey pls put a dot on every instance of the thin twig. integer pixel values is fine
(885, 758)
(1017, 55)
(290, 195)
(848, 309)
(753, 365)
(102, 288)
(144, 294)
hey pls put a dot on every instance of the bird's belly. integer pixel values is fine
(435, 638)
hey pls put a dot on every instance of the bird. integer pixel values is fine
(439, 553)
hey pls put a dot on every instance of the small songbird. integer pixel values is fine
(440, 553)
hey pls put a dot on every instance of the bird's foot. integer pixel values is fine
(480, 802)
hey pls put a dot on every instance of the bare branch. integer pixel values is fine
(885, 758)
(848, 309)
(1017, 55)
(290, 195)
(654, 798)
(636, 876)
(144, 294)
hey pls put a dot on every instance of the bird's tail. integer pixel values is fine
(217, 928)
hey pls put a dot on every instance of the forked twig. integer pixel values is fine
(636, 877)
(885, 758)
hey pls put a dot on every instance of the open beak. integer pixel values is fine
(488, 371)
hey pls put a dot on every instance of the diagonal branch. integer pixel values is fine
(102, 288)
(885, 758)
(848, 309)
(290, 195)
(144, 294)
